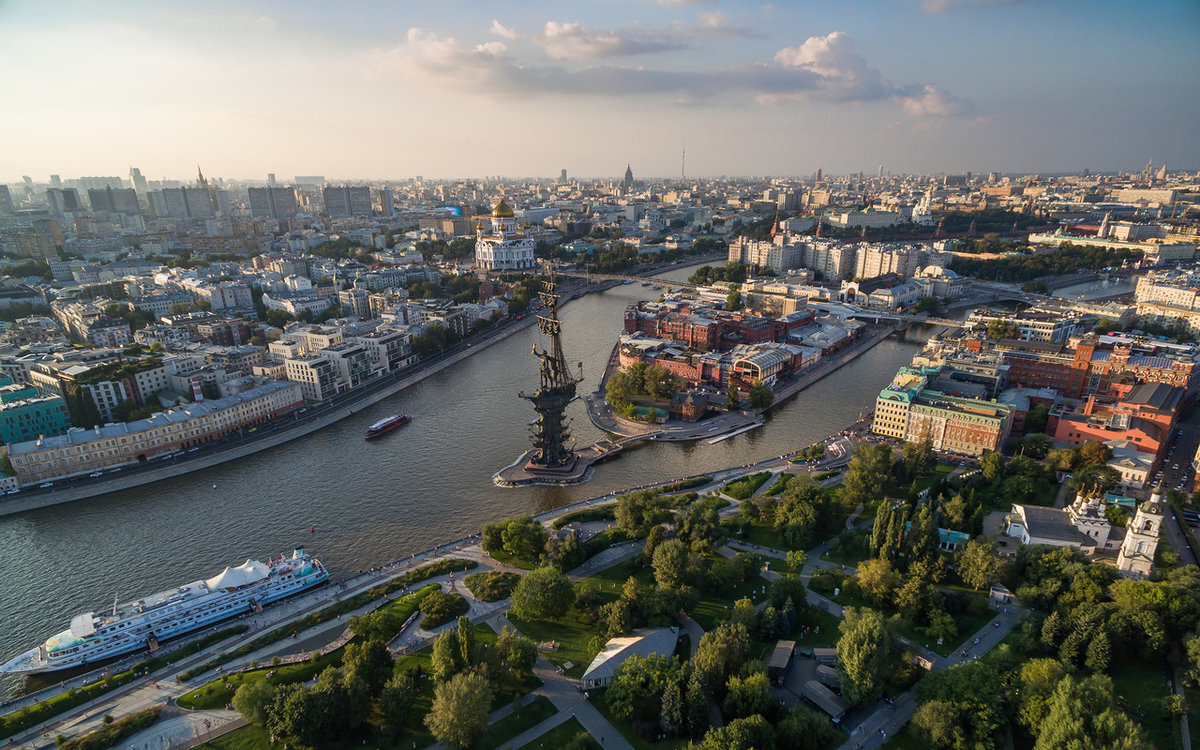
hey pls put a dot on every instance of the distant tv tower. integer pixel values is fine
(683, 163)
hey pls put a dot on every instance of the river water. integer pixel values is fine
(375, 502)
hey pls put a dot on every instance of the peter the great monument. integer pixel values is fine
(551, 431)
(553, 458)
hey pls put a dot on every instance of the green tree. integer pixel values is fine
(720, 654)
(753, 733)
(979, 564)
(1082, 713)
(516, 654)
(671, 717)
(1037, 680)
(660, 383)
(543, 592)
(524, 538)
(1095, 480)
(733, 396)
(969, 697)
(760, 396)
(369, 661)
(637, 687)
(919, 457)
(252, 699)
(695, 702)
(733, 300)
(992, 466)
(1095, 452)
(862, 649)
(878, 580)
(867, 474)
(1036, 445)
(396, 700)
(446, 658)
(670, 563)
(748, 696)
(802, 729)
(459, 714)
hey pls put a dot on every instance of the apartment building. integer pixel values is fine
(82, 451)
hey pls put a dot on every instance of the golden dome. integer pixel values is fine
(502, 210)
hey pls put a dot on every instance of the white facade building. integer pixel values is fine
(504, 249)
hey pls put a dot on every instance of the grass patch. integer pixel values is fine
(403, 607)
(743, 488)
(220, 691)
(822, 476)
(1140, 687)
(41, 711)
(505, 557)
(521, 720)
(815, 628)
(625, 727)
(113, 733)
(570, 732)
(573, 632)
(712, 610)
(849, 552)
(757, 532)
(340, 608)
(491, 586)
(685, 484)
(607, 512)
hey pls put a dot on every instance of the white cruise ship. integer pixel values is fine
(144, 623)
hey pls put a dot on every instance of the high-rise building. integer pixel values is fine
(63, 201)
(347, 200)
(182, 203)
(55, 181)
(121, 200)
(138, 181)
(273, 203)
(6, 202)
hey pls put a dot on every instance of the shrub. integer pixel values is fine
(491, 586)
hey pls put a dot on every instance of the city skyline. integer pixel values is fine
(378, 92)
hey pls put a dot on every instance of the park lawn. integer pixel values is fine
(404, 606)
(1140, 687)
(569, 731)
(249, 737)
(816, 628)
(906, 739)
(507, 558)
(521, 720)
(713, 610)
(925, 481)
(848, 554)
(573, 633)
(216, 694)
(758, 532)
(625, 727)
(741, 489)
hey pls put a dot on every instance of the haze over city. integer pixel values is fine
(385, 90)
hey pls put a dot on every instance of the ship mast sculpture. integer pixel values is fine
(551, 432)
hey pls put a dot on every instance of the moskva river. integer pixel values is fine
(373, 502)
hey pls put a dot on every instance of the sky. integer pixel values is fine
(392, 89)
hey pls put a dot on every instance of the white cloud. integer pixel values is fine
(822, 68)
(501, 30)
(931, 101)
(842, 72)
(573, 41)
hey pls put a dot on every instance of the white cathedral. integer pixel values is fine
(504, 248)
(1084, 525)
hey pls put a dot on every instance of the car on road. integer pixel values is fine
(95, 474)
(45, 485)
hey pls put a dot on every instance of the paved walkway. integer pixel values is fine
(563, 693)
